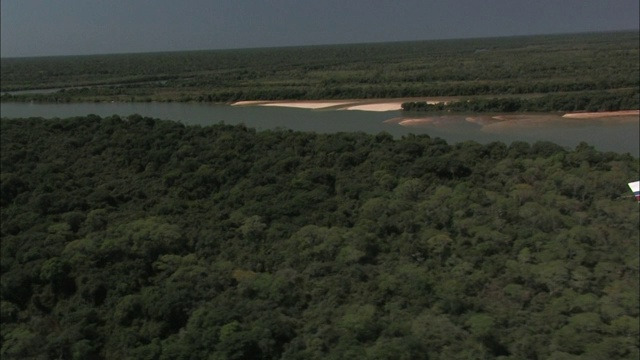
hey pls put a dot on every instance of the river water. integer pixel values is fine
(603, 134)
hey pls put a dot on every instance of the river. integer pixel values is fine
(603, 134)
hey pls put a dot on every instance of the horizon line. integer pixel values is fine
(321, 44)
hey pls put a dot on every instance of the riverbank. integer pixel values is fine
(616, 134)
(382, 105)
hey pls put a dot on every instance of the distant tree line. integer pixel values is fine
(498, 66)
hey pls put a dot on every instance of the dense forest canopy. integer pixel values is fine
(577, 64)
(147, 239)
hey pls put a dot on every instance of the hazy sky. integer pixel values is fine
(69, 27)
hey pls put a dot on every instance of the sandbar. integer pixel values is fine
(603, 114)
(354, 104)
(311, 104)
(431, 120)
(416, 122)
(383, 106)
(507, 122)
(395, 105)
(249, 102)
(307, 104)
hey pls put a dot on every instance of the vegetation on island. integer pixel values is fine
(576, 65)
(139, 238)
(601, 101)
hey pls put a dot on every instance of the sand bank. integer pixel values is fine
(393, 105)
(382, 106)
(510, 122)
(499, 121)
(432, 120)
(319, 104)
(416, 122)
(603, 114)
(362, 105)
(307, 104)
(252, 102)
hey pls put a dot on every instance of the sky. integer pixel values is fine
(82, 27)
